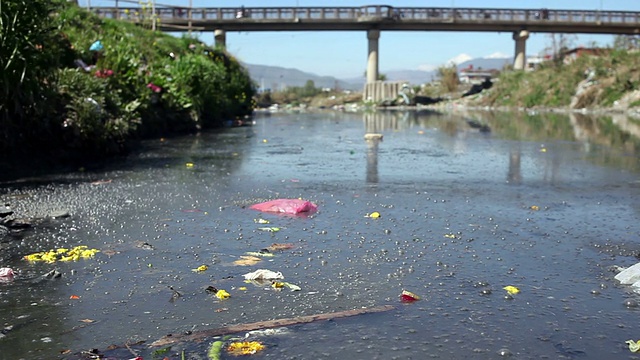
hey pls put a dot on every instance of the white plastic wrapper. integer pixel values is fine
(263, 274)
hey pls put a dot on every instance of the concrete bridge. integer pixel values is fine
(376, 18)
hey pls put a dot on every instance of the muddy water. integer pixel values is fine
(469, 204)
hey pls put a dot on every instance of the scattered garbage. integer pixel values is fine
(260, 253)
(63, 254)
(630, 276)
(96, 46)
(215, 350)
(267, 332)
(279, 247)
(245, 347)
(286, 206)
(634, 346)
(6, 274)
(282, 284)
(219, 293)
(373, 215)
(201, 268)
(269, 229)
(263, 274)
(222, 294)
(408, 296)
(512, 290)
(247, 260)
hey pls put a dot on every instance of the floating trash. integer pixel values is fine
(62, 254)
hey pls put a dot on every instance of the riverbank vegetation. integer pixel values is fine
(74, 85)
(593, 79)
(610, 79)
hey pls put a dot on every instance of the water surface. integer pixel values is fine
(469, 204)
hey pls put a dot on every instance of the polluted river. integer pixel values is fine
(505, 232)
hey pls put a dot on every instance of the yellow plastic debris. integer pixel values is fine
(450, 236)
(535, 207)
(189, 165)
(200, 268)
(634, 346)
(373, 215)
(222, 294)
(512, 290)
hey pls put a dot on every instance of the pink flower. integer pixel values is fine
(155, 88)
(104, 73)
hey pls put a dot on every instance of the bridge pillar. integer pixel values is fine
(372, 60)
(520, 58)
(221, 38)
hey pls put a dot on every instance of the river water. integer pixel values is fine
(469, 203)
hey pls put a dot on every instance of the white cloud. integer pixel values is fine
(497, 55)
(459, 59)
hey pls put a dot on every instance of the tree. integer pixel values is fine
(448, 77)
(309, 88)
(625, 42)
(560, 44)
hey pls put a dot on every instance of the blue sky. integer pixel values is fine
(344, 54)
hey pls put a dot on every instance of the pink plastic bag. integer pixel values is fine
(6, 274)
(286, 206)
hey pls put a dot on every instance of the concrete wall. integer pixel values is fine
(382, 90)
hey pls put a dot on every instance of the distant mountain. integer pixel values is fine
(277, 78)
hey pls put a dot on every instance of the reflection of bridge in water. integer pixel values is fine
(376, 18)
(589, 131)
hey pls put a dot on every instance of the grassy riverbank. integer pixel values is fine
(609, 81)
(65, 96)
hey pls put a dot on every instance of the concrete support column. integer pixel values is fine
(520, 57)
(221, 38)
(372, 60)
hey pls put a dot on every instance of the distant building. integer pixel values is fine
(469, 75)
(570, 55)
(534, 62)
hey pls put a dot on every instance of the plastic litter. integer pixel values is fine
(263, 274)
(215, 350)
(629, 275)
(512, 290)
(244, 348)
(96, 46)
(286, 206)
(373, 215)
(222, 294)
(634, 346)
(6, 274)
(247, 260)
(200, 268)
(282, 284)
(408, 296)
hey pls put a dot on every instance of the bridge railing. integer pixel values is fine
(376, 13)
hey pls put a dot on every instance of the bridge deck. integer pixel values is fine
(381, 17)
